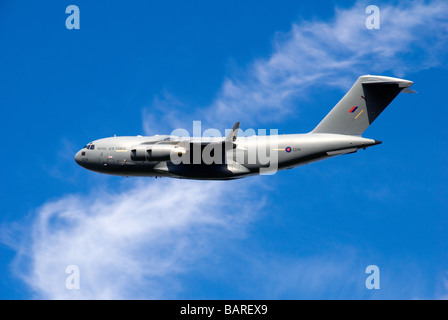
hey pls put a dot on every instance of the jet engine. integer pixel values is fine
(156, 152)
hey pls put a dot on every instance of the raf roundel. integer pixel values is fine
(288, 149)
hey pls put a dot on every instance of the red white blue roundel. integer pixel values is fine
(288, 149)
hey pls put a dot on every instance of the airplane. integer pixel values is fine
(233, 156)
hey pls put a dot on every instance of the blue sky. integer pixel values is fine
(150, 67)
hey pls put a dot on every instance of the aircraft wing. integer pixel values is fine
(229, 141)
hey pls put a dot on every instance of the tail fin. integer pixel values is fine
(362, 104)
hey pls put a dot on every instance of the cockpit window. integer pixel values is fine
(89, 146)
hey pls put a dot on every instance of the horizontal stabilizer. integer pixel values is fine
(407, 90)
(343, 151)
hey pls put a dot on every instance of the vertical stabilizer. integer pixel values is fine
(362, 104)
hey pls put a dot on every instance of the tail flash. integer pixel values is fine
(362, 104)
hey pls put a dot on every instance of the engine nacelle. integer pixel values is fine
(139, 153)
(156, 152)
(165, 152)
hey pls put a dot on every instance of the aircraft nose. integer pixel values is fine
(78, 157)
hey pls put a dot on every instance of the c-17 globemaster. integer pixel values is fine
(234, 157)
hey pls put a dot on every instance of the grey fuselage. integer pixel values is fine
(340, 132)
(131, 156)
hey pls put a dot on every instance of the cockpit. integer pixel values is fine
(88, 146)
(81, 156)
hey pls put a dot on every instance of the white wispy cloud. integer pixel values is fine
(327, 53)
(128, 244)
(307, 277)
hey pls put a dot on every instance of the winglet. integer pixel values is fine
(231, 137)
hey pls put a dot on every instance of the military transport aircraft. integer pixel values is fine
(231, 157)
